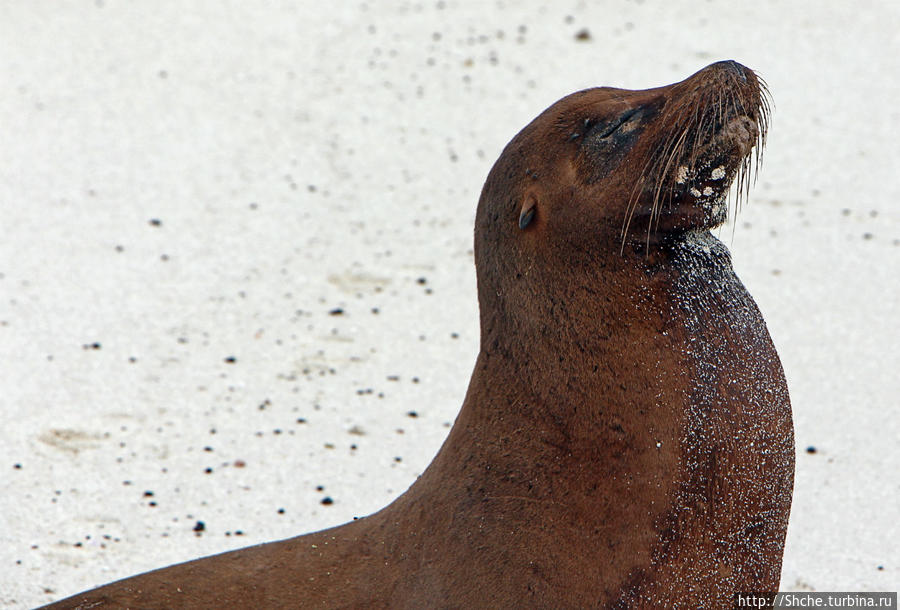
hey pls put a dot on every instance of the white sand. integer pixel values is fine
(302, 161)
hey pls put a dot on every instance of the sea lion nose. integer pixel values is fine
(730, 66)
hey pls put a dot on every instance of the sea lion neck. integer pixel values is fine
(574, 330)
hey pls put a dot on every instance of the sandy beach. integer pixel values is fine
(237, 290)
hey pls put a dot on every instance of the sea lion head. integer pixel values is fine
(632, 163)
(611, 173)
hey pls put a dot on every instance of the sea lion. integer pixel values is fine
(626, 438)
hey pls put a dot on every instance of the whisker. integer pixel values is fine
(695, 138)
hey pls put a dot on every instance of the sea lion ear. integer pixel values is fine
(529, 207)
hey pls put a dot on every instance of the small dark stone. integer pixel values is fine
(230, 359)
(280, 511)
(412, 414)
(583, 35)
(199, 526)
(148, 494)
(156, 222)
(811, 449)
(337, 311)
(17, 466)
(327, 500)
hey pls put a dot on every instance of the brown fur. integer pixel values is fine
(626, 439)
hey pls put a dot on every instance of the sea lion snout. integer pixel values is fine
(705, 139)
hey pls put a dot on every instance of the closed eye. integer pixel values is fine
(606, 143)
(609, 128)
